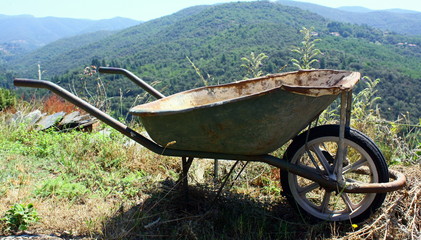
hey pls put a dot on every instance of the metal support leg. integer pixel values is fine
(344, 122)
(215, 170)
(186, 164)
(225, 182)
(348, 108)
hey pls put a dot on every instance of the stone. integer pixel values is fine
(71, 118)
(33, 117)
(50, 121)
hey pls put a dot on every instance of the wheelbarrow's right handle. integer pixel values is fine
(134, 78)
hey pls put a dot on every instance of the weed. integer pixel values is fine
(19, 217)
(64, 187)
(198, 72)
(270, 187)
(307, 51)
(253, 64)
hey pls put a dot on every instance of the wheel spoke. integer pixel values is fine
(354, 166)
(322, 158)
(349, 205)
(325, 202)
(310, 155)
(308, 188)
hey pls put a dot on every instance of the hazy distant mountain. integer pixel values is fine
(355, 9)
(398, 10)
(395, 20)
(366, 10)
(25, 32)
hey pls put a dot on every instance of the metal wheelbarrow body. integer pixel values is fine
(249, 117)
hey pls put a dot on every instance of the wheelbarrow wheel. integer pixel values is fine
(363, 163)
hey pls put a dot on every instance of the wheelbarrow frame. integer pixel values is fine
(188, 156)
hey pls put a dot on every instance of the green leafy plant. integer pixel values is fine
(254, 64)
(366, 98)
(307, 51)
(19, 217)
(270, 186)
(7, 99)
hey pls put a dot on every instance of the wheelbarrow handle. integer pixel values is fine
(22, 82)
(134, 78)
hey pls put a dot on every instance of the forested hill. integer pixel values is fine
(54, 51)
(216, 37)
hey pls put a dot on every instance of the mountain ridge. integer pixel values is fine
(400, 21)
(26, 32)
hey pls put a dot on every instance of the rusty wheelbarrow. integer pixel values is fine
(328, 172)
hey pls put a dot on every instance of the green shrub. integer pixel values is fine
(7, 99)
(19, 217)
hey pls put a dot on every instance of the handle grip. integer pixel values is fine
(111, 70)
(134, 78)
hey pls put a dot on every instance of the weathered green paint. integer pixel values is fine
(249, 117)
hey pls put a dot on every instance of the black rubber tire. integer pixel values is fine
(353, 137)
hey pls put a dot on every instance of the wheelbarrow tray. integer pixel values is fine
(250, 117)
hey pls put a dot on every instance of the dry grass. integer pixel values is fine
(53, 104)
(400, 216)
(161, 211)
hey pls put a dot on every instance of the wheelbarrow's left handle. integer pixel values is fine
(134, 78)
(22, 82)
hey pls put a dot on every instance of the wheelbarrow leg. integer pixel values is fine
(345, 121)
(186, 164)
(215, 170)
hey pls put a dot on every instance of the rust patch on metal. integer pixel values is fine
(313, 83)
(398, 183)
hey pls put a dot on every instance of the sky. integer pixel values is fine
(150, 9)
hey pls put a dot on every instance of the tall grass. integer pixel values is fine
(398, 140)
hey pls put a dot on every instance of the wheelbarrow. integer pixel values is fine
(328, 172)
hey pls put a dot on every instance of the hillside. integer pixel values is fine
(395, 20)
(216, 37)
(25, 32)
(53, 50)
